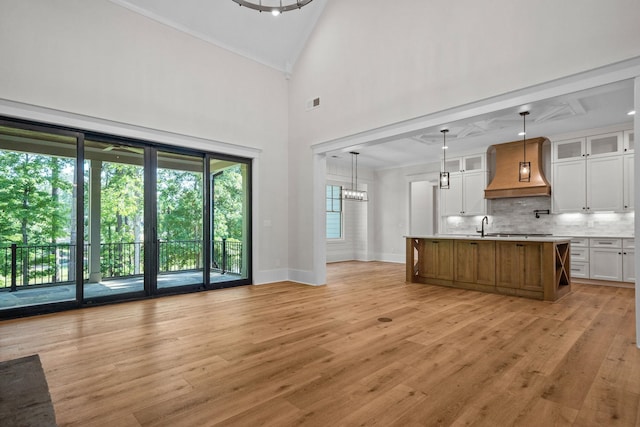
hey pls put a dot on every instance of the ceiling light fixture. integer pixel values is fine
(444, 175)
(276, 7)
(524, 172)
(631, 113)
(353, 193)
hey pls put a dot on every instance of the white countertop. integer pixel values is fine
(498, 238)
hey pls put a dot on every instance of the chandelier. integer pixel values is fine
(276, 7)
(353, 193)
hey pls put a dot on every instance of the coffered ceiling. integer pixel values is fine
(594, 108)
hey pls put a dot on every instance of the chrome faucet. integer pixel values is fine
(481, 231)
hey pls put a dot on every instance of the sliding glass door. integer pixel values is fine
(180, 217)
(114, 218)
(230, 221)
(38, 228)
(91, 218)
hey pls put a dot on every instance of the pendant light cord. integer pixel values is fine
(524, 135)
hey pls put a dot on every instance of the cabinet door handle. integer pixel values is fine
(624, 253)
(473, 244)
(519, 245)
(619, 253)
(435, 243)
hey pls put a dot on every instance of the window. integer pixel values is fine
(334, 212)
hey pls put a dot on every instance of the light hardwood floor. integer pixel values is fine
(288, 354)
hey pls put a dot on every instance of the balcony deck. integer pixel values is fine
(66, 292)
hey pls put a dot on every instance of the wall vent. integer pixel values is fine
(313, 103)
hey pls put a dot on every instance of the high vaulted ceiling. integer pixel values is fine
(275, 41)
(278, 41)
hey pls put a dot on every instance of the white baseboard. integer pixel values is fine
(270, 276)
(304, 277)
(386, 257)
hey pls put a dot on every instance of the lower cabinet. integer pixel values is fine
(475, 262)
(520, 265)
(437, 259)
(612, 259)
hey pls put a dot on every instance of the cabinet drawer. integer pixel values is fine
(629, 243)
(605, 243)
(579, 254)
(580, 269)
(580, 241)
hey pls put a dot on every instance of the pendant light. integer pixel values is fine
(444, 175)
(524, 169)
(353, 193)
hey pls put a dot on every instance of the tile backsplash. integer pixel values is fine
(517, 215)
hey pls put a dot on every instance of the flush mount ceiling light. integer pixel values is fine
(524, 172)
(353, 193)
(276, 7)
(444, 175)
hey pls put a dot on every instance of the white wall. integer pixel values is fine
(424, 57)
(100, 60)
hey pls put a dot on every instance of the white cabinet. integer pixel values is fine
(472, 163)
(592, 146)
(568, 192)
(568, 150)
(589, 174)
(628, 260)
(628, 186)
(628, 141)
(604, 145)
(467, 181)
(580, 258)
(604, 184)
(606, 264)
(612, 259)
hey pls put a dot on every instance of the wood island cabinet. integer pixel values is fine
(437, 261)
(532, 268)
(520, 265)
(476, 262)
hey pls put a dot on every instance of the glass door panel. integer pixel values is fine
(114, 219)
(230, 221)
(180, 205)
(37, 218)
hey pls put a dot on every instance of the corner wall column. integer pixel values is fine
(95, 188)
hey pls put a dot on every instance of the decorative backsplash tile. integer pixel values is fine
(517, 215)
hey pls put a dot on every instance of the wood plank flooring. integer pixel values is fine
(286, 354)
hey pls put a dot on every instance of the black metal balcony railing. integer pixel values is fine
(45, 265)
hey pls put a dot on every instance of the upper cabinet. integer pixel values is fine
(467, 182)
(590, 174)
(473, 163)
(628, 140)
(591, 146)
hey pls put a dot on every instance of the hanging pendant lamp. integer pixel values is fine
(444, 175)
(524, 168)
(353, 193)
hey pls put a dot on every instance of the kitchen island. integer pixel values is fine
(527, 266)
